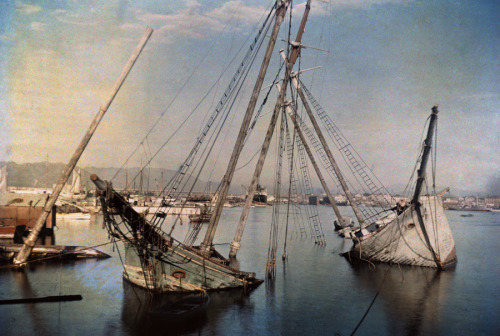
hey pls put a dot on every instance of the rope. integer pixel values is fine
(195, 70)
(368, 309)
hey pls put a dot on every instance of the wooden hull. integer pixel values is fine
(8, 251)
(157, 262)
(183, 269)
(402, 241)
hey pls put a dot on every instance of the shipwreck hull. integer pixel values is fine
(402, 240)
(183, 269)
(157, 262)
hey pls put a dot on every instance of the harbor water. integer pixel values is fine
(315, 292)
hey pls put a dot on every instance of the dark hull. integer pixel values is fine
(260, 198)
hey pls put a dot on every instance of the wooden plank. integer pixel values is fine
(57, 298)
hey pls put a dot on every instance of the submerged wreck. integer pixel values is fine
(416, 234)
(158, 262)
(154, 259)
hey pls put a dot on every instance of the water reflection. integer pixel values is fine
(412, 297)
(139, 308)
(33, 313)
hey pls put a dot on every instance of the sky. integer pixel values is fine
(388, 63)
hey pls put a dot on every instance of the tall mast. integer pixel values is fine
(281, 8)
(47, 171)
(420, 180)
(161, 184)
(425, 154)
(141, 176)
(235, 244)
(313, 161)
(126, 179)
(318, 172)
(335, 167)
(24, 253)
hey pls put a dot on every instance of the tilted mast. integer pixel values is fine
(235, 244)
(425, 155)
(420, 180)
(313, 162)
(281, 8)
(24, 253)
(335, 167)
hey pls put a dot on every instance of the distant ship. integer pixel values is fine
(260, 195)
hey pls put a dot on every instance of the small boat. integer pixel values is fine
(466, 215)
(260, 195)
(203, 217)
(74, 191)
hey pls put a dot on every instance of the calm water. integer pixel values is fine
(316, 291)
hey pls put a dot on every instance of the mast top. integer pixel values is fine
(425, 155)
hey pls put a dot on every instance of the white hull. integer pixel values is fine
(402, 241)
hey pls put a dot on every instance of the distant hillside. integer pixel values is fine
(45, 175)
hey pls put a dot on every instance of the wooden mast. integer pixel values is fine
(282, 6)
(235, 244)
(335, 167)
(23, 255)
(313, 161)
(316, 168)
(425, 154)
(420, 180)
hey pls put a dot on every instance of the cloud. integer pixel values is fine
(27, 9)
(196, 22)
(191, 21)
(38, 26)
(320, 6)
(7, 37)
(59, 11)
(72, 18)
(248, 16)
(363, 3)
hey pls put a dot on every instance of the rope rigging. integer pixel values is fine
(147, 237)
(172, 189)
(273, 234)
(251, 53)
(366, 179)
(311, 211)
